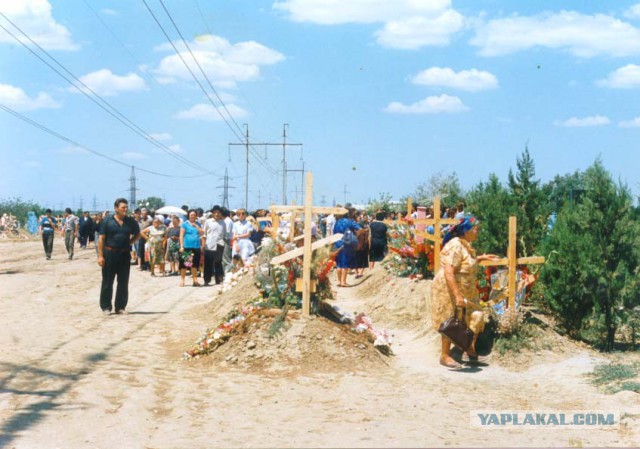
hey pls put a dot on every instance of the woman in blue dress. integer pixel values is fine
(346, 256)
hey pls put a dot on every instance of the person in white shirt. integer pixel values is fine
(70, 231)
(330, 221)
(227, 262)
(240, 242)
(459, 211)
(215, 233)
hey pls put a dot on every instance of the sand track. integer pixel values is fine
(71, 378)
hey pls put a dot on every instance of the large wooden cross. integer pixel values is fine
(512, 262)
(437, 236)
(307, 250)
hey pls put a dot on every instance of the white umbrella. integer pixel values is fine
(170, 210)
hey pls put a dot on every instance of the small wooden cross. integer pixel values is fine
(511, 261)
(308, 209)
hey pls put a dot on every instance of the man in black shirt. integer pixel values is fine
(117, 233)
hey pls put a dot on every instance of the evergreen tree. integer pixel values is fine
(491, 203)
(531, 211)
(592, 279)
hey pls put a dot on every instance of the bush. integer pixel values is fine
(20, 208)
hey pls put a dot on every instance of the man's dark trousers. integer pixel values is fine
(116, 264)
(213, 265)
(47, 242)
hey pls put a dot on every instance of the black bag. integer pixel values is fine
(456, 330)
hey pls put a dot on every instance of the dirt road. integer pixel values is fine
(72, 378)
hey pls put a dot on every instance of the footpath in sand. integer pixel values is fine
(72, 378)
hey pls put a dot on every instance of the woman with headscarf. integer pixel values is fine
(156, 238)
(454, 286)
(346, 255)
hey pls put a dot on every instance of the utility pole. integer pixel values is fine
(132, 188)
(323, 200)
(94, 204)
(81, 203)
(284, 145)
(345, 195)
(301, 170)
(225, 191)
(259, 200)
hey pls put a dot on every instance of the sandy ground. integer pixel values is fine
(72, 378)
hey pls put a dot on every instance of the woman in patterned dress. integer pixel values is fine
(173, 246)
(156, 237)
(455, 285)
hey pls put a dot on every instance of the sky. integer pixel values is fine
(375, 96)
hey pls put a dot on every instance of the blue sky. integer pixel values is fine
(382, 94)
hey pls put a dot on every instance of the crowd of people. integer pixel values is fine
(209, 244)
(212, 243)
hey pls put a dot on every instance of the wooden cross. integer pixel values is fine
(511, 261)
(437, 236)
(307, 250)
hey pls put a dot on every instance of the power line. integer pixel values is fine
(74, 143)
(114, 112)
(224, 106)
(199, 66)
(206, 24)
(155, 18)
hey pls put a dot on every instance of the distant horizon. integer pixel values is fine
(371, 96)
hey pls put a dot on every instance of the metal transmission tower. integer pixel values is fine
(345, 194)
(225, 191)
(247, 143)
(94, 204)
(132, 188)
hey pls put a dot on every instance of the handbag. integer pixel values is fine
(456, 330)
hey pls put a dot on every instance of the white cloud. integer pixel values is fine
(176, 148)
(633, 12)
(579, 34)
(223, 62)
(634, 123)
(207, 112)
(161, 137)
(408, 24)
(334, 12)
(133, 156)
(471, 80)
(35, 19)
(109, 12)
(32, 164)
(106, 84)
(575, 122)
(622, 78)
(418, 32)
(16, 98)
(430, 105)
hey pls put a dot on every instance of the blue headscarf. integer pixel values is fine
(466, 224)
